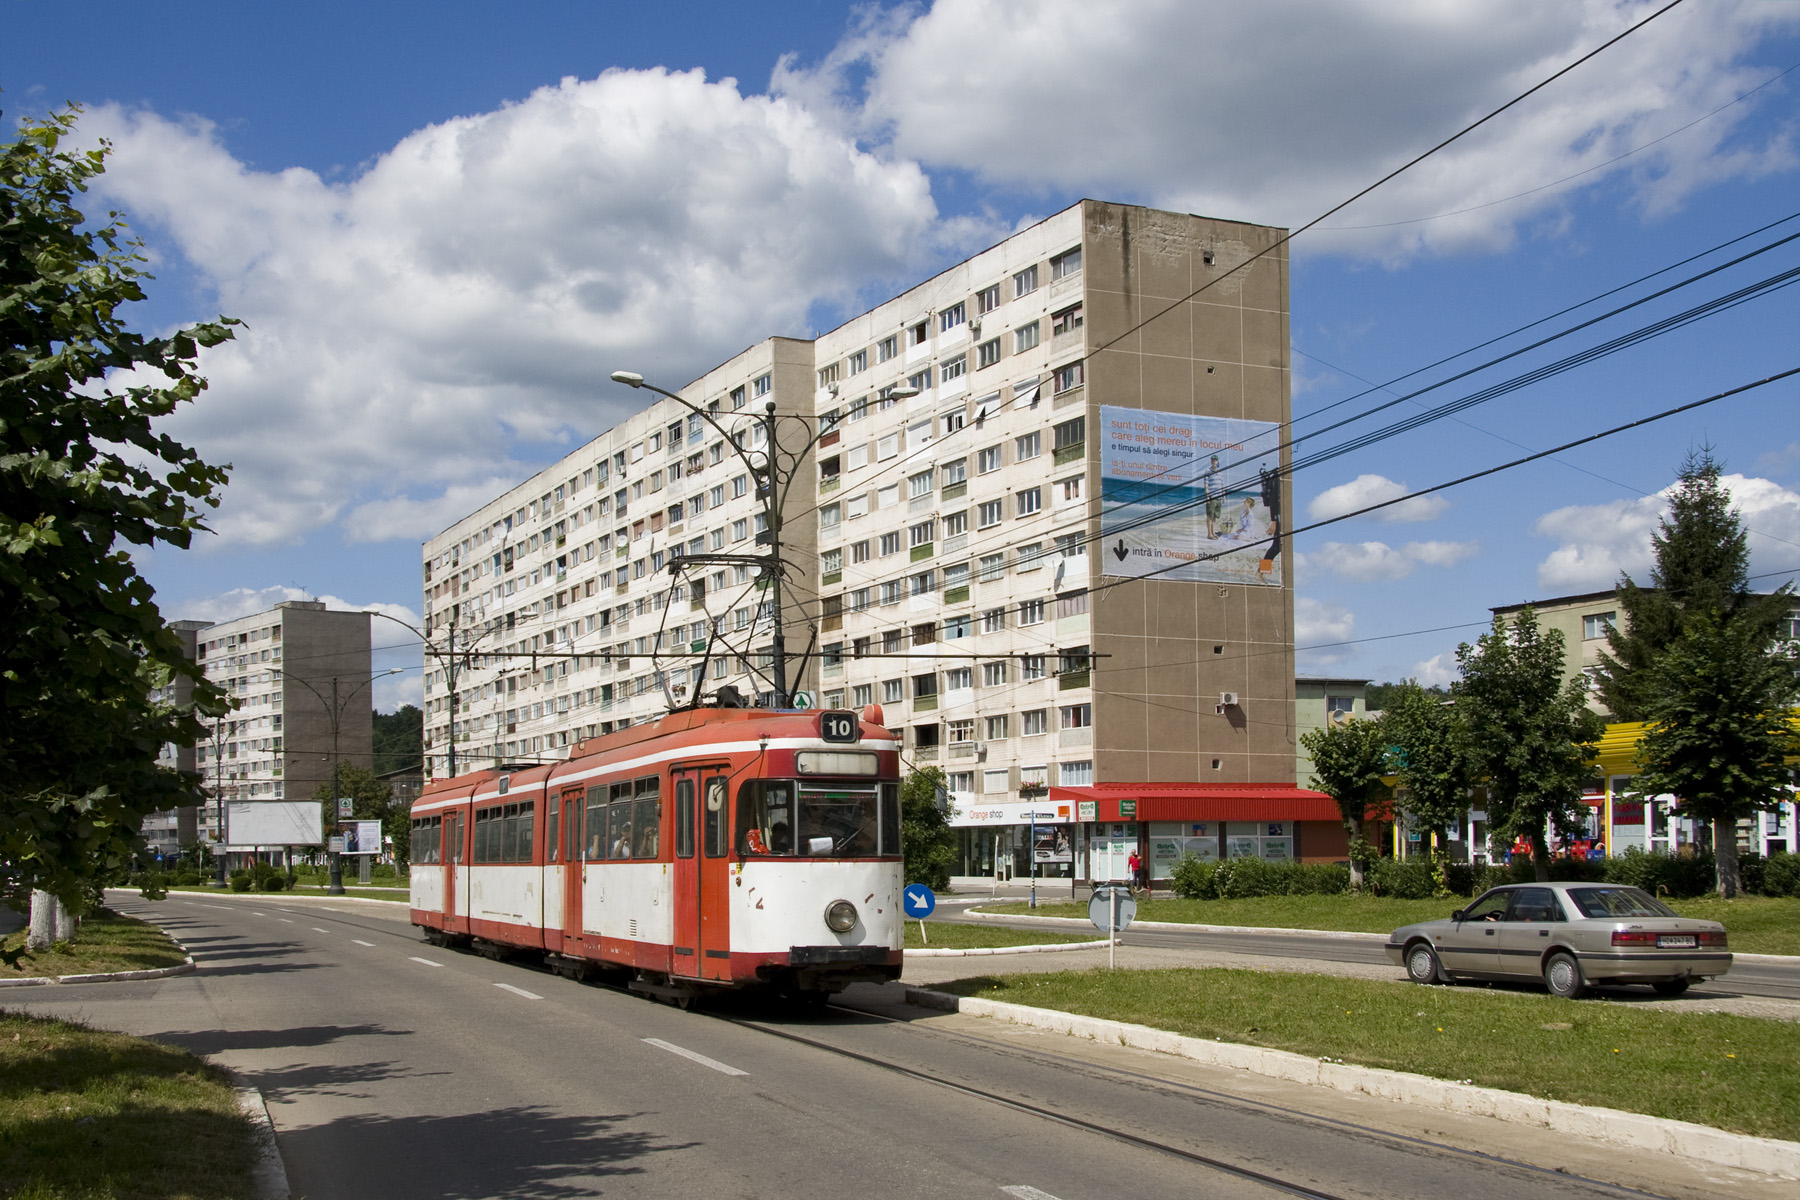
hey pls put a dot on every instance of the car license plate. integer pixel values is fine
(1676, 941)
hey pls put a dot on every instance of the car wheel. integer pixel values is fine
(1671, 987)
(1562, 975)
(1422, 964)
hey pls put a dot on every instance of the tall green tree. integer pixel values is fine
(1430, 755)
(1701, 571)
(398, 739)
(1349, 760)
(1530, 733)
(926, 840)
(84, 478)
(1721, 729)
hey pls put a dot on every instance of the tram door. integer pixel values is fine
(702, 873)
(452, 856)
(562, 851)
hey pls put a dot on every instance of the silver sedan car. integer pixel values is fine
(1570, 935)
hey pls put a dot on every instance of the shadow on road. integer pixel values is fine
(509, 1152)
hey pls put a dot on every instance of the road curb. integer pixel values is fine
(1632, 1130)
(976, 951)
(185, 966)
(1327, 933)
(269, 1176)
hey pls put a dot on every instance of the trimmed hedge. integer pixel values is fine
(1236, 878)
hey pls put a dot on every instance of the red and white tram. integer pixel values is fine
(714, 848)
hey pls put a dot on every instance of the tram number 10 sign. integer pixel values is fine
(839, 726)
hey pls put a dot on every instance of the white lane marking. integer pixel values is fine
(417, 959)
(254, 913)
(1022, 1191)
(704, 1061)
(316, 929)
(518, 991)
(219, 907)
(284, 920)
(360, 942)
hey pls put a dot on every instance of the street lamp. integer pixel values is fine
(764, 467)
(447, 657)
(335, 709)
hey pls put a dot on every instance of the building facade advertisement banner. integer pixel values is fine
(1052, 844)
(1012, 813)
(362, 837)
(1189, 498)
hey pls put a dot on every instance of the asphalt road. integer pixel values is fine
(393, 1069)
(1747, 977)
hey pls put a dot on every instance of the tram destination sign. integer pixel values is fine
(835, 726)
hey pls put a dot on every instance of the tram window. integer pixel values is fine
(648, 821)
(454, 824)
(552, 828)
(838, 821)
(715, 817)
(482, 825)
(509, 836)
(684, 818)
(765, 823)
(890, 818)
(572, 827)
(596, 824)
(527, 840)
(618, 834)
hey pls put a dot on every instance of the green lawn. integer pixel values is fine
(105, 942)
(966, 937)
(1735, 1073)
(1755, 924)
(86, 1115)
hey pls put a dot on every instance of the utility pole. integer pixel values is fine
(219, 792)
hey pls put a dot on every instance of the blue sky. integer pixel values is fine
(446, 223)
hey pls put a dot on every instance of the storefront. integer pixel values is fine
(1015, 839)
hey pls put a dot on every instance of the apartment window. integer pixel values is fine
(1031, 612)
(859, 362)
(920, 534)
(1025, 282)
(862, 694)
(887, 348)
(859, 551)
(740, 486)
(1028, 501)
(995, 729)
(891, 591)
(762, 383)
(989, 512)
(861, 598)
(1070, 433)
(955, 471)
(987, 460)
(1069, 491)
(954, 368)
(893, 641)
(890, 544)
(740, 529)
(924, 686)
(856, 506)
(919, 484)
(717, 495)
(1595, 625)
(962, 730)
(1071, 376)
(831, 654)
(887, 446)
(828, 375)
(956, 629)
(987, 299)
(1067, 321)
(1024, 338)
(1076, 774)
(1028, 446)
(1073, 661)
(1075, 716)
(1034, 722)
(920, 380)
(993, 566)
(892, 691)
(959, 679)
(856, 457)
(918, 434)
(993, 620)
(955, 523)
(830, 516)
(918, 334)
(987, 354)
(859, 409)
(951, 317)
(993, 674)
(737, 397)
(1031, 556)
(1065, 265)
(924, 583)
(953, 420)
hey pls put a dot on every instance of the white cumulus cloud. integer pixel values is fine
(420, 332)
(1180, 103)
(1440, 670)
(1365, 490)
(1599, 542)
(1320, 623)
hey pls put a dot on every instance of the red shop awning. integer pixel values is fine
(1198, 802)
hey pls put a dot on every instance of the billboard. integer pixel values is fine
(1189, 498)
(362, 837)
(272, 823)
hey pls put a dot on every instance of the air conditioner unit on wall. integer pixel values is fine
(1228, 699)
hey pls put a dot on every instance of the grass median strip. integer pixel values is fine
(945, 936)
(1755, 924)
(1735, 1073)
(87, 1115)
(106, 942)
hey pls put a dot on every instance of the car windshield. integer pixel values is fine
(1601, 903)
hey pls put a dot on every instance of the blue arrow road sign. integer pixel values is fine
(919, 900)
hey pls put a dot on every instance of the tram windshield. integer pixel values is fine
(818, 819)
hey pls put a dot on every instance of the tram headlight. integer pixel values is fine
(840, 915)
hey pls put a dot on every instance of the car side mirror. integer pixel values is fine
(1457, 915)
